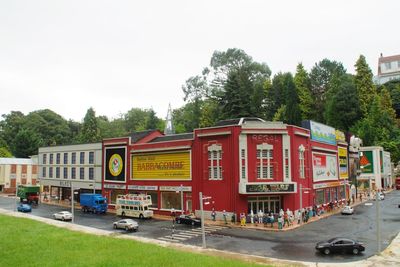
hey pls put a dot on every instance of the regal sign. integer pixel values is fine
(270, 188)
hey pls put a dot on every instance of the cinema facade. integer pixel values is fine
(241, 164)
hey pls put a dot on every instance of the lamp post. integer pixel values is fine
(378, 221)
(94, 187)
(181, 189)
(203, 233)
(72, 201)
(301, 200)
(16, 194)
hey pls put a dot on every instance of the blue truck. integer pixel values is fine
(95, 203)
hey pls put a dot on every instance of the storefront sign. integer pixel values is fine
(340, 136)
(366, 162)
(270, 188)
(331, 184)
(166, 166)
(115, 164)
(65, 183)
(322, 133)
(324, 167)
(143, 187)
(343, 163)
(114, 186)
(176, 188)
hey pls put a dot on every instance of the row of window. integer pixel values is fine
(388, 65)
(66, 159)
(55, 172)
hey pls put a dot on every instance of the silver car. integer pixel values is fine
(347, 210)
(127, 224)
(63, 215)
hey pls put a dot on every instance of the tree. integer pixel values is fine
(135, 120)
(302, 82)
(90, 132)
(320, 79)
(292, 111)
(5, 153)
(26, 143)
(152, 121)
(364, 84)
(10, 126)
(275, 95)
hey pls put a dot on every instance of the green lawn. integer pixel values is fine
(25, 242)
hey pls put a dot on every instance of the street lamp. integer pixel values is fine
(94, 188)
(203, 233)
(16, 194)
(181, 189)
(72, 199)
(301, 200)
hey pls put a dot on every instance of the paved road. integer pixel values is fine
(297, 244)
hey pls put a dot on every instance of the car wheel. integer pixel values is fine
(62, 218)
(327, 251)
(54, 217)
(141, 216)
(178, 221)
(126, 228)
(193, 223)
(123, 214)
(115, 226)
(355, 251)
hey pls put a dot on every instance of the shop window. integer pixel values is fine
(265, 169)
(65, 158)
(82, 158)
(91, 157)
(57, 172)
(58, 158)
(91, 173)
(154, 199)
(343, 192)
(170, 200)
(320, 197)
(82, 173)
(73, 158)
(301, 162)
(215, 162)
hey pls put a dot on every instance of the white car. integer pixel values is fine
(381, 196)
(127, 224)
(63, 215)
(347, 210)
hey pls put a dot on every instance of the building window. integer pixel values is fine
(57, 172)
(44, 158)
(73, 158)
(243, 159)
(82, 173)
(215, 162)
(91, 173)
(82, 158)
(287, 163)
(65, 173)
(51, 172)
(65, 158)
(91, 157)
(73, 173)
(398, 64)
(301, 162)
(388, 65)
(51, 158)
(265, 168)
(44, 172)
(154, 199)
(58, 158)
(170, 200)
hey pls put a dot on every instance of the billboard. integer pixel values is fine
(324, 167)
(366, 162)
(343, 163)
(115, 164)
(161, 166)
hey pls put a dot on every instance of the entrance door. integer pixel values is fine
(189, 205)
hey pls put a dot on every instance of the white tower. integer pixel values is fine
(169, 127)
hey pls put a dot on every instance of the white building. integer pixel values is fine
(388, 69)
(15, 171)
(61, 167)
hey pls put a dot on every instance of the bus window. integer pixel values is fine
(135, 208)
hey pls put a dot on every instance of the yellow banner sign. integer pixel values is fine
(343, 164)
(166, 166)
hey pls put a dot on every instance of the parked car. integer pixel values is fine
(339, 245)
(63, 215)
(347, 210)
(188, 219)
(381, 196)
(127, 224)
(24, 208)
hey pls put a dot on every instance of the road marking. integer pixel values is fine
(168, 239)
(175, 237)
(368, 204)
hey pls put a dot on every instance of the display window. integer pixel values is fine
(170, 200)
(320, 197)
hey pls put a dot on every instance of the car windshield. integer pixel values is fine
(332, 239)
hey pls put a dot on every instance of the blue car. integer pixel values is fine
(24, 208)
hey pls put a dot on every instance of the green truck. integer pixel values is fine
(28, 193)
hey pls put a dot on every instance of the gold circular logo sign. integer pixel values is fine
(115, 165)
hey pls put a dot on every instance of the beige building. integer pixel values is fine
(15, 171)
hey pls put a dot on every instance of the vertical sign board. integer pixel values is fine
(343, 163)
(366, 162)
(115, 164)
(324, 167)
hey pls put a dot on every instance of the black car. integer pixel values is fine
(188, 219)
(340, 245)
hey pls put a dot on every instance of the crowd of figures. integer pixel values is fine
(283, 218)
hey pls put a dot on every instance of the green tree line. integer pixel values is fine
(234, 85)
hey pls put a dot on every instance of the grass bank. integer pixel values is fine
(25, 242)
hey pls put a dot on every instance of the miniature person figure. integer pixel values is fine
(260, 216)
(271, 219)
(285, 219)
(213, 214)
(224, 215)
(251, 216)
(298, 216)
(291, 219)
(281, 213)
(280, 222)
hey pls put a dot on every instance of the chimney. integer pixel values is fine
(381, 55)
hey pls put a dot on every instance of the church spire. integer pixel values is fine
(169, 127)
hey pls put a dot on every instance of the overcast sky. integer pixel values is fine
(115, 55)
